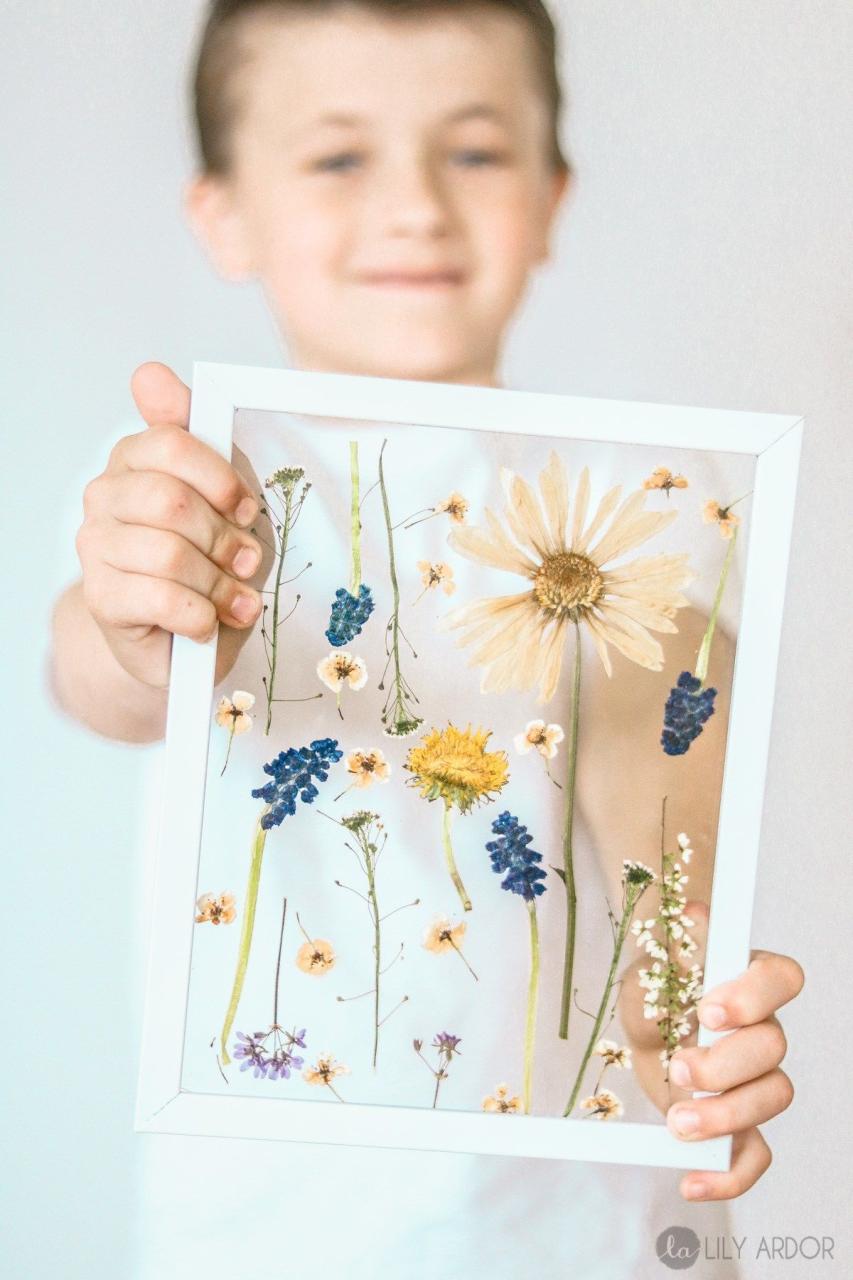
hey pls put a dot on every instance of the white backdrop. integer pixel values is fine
(705, 259)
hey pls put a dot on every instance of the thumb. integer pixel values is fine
(161, 397)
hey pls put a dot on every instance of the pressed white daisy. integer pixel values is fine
(342, 668)
(520, 638)
(544, 737)
(233, 714)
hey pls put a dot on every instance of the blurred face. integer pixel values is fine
(390, 188)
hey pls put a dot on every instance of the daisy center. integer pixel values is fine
(567, 581)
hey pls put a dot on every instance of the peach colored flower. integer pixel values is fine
(713, 513)
(499, 1101)
(662, 478)
(434, 575)
(219, 910)
(316, 957)
(456, 507)
(603, 1105)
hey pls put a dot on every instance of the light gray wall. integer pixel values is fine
(705, 259)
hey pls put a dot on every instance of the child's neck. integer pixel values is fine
(470, 378)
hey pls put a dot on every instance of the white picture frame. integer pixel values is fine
(218, 392)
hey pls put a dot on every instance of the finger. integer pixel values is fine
(162, 502)
(134, 603)
(161, 554)
(160, 396)
(751, 1157)
(770, 981)
(175, 452)
(733, 1059)
(738, 1108)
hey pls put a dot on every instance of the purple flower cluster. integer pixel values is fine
(687, 708)
(292, 772)
(276, 1065)
(510, 853)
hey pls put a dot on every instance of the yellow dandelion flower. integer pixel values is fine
(316, 956)
(454, 764)
(520, 638)
(501, 1101)
(217, 910)
(662, 478)
(713, 513)
(603, 1105)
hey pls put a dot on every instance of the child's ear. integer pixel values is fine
(562, 182)
(212, 214)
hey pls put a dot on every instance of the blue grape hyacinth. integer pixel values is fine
(687, 708)
(292, 773)
(510, 854)
(349, 614)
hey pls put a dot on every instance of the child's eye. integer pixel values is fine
(480, 157)
(336, 163)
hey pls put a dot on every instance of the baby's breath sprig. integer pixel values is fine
(398, 715)
(636, 878)
(282, 488)
(370, 838)
(672, 992)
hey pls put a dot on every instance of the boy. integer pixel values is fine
(391, 174)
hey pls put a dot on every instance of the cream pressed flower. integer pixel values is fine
(232, 713)
(520, 638)
(662, 478)
(340, 668)
(316, 957)
(455, 506)
(500, 1101)
(444, 936)
(613, 1055)
(367, 767)
(325, 1071)
(603, 1105)
(544, 737)
(216, 910)
(435, 575)
(714, 513)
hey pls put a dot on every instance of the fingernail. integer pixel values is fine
(712, 1016)
(679, 1072)
(244, 608)
(246, 561)
(246, 511)
(696, 1190)
(686, 1122)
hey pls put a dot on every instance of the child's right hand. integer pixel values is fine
(163, 544)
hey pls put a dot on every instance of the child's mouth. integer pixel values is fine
(418, 280)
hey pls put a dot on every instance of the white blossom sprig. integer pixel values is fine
(672, 991)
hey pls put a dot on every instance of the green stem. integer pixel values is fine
(602, 1008)
(568, 854)
(276, 595)
(355, 521)
(451, 861)
(228, 752)
(374, 911)
(246, 934)
(705, 648)
(532, 993)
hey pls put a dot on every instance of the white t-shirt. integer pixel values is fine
(219, 1205)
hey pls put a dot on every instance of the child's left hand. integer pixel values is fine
(741, 1067)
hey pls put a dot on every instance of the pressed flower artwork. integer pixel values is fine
(433, 874)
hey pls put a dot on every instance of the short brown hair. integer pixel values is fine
(214, 103)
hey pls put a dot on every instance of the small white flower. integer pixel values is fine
(544, 737)
(340, 667)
